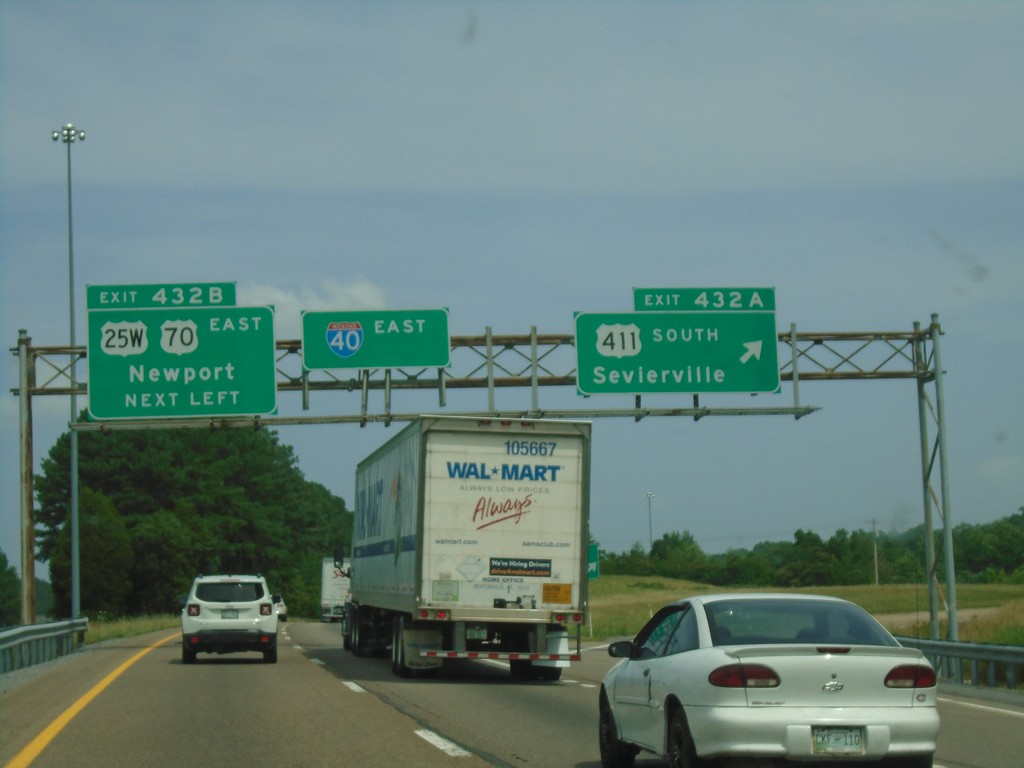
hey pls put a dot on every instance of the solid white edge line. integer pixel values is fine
(1000, 710)
(450, 749)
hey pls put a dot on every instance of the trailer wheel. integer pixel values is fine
(521, 670)
(357, 635)
(398, 665)
(549, 673)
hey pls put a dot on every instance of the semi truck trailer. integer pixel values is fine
(470, 541)
(334, 589)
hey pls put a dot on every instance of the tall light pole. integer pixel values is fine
(650, 527)
(69, 135)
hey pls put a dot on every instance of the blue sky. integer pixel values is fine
(518, 162)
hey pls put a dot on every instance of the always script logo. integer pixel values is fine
(489, 511)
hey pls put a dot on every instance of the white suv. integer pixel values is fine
(224, 614)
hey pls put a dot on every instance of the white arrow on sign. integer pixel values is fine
(753, 350)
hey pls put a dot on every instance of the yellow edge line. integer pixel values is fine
(31, 751)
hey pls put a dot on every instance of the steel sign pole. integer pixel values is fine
(69, 135)
(947, 514)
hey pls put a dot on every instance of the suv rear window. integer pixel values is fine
(229, 591)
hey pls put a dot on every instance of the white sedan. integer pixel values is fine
(753, 677)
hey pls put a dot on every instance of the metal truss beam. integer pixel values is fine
(539, 361)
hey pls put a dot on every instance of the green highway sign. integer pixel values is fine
(357, 338)
(195, 362)
(704, 299)
(593, 562)
(162, 295)
(646, 352)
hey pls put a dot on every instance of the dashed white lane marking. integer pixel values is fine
(354, 686)
(318, 661)
(450, 749)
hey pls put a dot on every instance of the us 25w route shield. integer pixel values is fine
(647, 352)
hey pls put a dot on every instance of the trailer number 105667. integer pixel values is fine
(530, 448)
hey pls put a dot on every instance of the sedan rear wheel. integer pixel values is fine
(614, 753)
(681, 750)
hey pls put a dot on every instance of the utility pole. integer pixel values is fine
(650, 527)
(874, 541)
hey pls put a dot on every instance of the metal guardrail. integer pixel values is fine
(33, 644)
(975, 664)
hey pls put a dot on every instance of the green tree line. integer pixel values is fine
(989, 553)
(158, 507)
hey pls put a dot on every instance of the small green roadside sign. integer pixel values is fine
(642, 352)
(181, 362)
(160, 295)
(593, 562)
(356, 338)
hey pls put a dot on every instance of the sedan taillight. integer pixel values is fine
(744, 676)
(266, 609)
(910, 676)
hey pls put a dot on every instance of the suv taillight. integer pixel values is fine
(193, 609)
(266, 609)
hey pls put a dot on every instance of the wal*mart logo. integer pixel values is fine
(345, 338)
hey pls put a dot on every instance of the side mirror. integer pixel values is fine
(621, 649)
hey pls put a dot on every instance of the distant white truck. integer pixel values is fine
(470, 541)
(334, 590)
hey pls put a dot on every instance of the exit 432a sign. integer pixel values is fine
(704, 299)
(641, 352)
(200, 361)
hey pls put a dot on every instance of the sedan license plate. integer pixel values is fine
(229, 613)
(838, 741)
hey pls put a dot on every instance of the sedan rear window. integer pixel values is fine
(229, 591)
(767, 621)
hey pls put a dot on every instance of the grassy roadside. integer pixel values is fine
(621, 604)
(101, 630)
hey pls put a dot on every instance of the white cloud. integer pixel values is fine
(289, 304)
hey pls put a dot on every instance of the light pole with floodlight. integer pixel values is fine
(69, 135)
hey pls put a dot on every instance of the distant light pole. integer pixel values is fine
(650, 527)
(69, 135)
